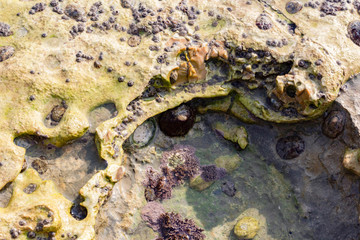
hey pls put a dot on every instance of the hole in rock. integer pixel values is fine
(101, 114)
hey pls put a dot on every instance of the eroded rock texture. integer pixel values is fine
(280, 59)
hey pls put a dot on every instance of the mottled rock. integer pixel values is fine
(5, 30)
(236, 134)
(151, 213)
(228, 188)
(228, 162)
(351, 160)
(246, 228)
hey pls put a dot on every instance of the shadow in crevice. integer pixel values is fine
(5, 194)
(100, 114)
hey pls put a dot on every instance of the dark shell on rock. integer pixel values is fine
(177, 121)
(57, 113)
(290, 147)
(30, 188)
(334, 124)
(354, 32)
(6, 53)
(293, 7)
(5, 30)
(78, 212)
(74, 11)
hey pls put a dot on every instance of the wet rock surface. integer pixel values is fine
(310, 197)
(290, 147)
(270, 56)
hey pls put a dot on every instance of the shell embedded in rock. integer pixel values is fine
(57, 113)
(334, 124)
(293, 7)
(354, 32)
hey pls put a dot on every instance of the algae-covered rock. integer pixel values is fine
(48, 51)
(228, 162)
(199, 184)
(236, 134)
(221, 105)
(351, 160)
(239, 111)
(247, 228)
(36, 206)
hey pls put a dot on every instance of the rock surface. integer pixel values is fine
(277, 61)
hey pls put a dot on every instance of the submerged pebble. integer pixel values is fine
(354, 32)
(228, 188)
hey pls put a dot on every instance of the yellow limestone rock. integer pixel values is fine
(47, 59)
(36, 206)
(236, 134)
(247, 228)
(351, 160)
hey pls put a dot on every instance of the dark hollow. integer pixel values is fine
(177, 121)
(290, 147)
